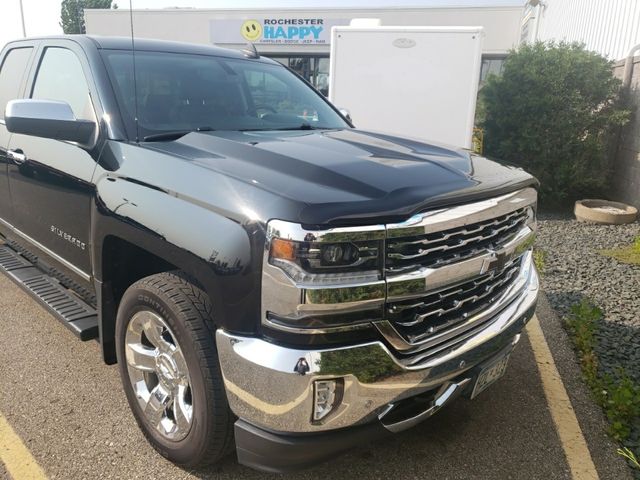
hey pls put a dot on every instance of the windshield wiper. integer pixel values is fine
(158, 137)
(303, 126)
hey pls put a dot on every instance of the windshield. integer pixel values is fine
(180, 92)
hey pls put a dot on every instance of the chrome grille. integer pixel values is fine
(431, 316)
(452, 272)
(445, 247)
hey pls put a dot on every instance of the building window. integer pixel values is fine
(314, 69)
(321, 75)
(491, 65)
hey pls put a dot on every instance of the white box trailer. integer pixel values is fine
(420, 82)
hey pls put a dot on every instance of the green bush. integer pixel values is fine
(554, 112)
(618, 394)
(72, 13)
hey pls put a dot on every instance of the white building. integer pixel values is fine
(300, 37)
(609, 27)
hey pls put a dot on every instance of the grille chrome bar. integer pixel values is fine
(431, 342)
(419, 282)
(459, 303)
(464, 231)
(462, 215)
(433, 249)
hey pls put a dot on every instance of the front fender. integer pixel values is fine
(191, 216)
(221, 254)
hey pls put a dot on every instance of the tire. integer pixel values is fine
(163, 328)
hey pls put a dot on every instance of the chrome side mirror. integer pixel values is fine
(48, 119)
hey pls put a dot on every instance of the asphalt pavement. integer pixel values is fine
(69, 410)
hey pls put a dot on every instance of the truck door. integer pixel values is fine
(50, 180)
(13, 70)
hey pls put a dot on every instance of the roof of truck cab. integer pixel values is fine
(147, 44)
(152, 45)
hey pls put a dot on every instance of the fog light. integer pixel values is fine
(324, 398)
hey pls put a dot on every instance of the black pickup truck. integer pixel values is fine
(265, 274)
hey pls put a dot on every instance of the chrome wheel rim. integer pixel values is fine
(159, 375)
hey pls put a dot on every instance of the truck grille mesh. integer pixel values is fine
(431, 316)
(442, 248)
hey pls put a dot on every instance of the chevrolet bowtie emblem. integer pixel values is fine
(494, 262)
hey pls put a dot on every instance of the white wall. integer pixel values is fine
(610, 27)
(501, 24)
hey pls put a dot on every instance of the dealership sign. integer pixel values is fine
(278, 30)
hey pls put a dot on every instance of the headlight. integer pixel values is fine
(316, 257)
(337, 254)
(320, 257)
(319, 281)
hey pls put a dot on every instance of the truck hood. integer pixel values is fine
(345, 176)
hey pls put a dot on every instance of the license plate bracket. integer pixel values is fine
(490, 373)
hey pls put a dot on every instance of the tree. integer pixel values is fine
(72, 13)
(555, 111)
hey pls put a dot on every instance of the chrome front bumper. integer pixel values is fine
(264, 390)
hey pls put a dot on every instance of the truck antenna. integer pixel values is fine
(250, 51)
(135, 83)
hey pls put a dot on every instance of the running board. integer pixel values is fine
(62, 303)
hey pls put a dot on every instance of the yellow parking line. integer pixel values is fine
(573, 441)
(16, 457)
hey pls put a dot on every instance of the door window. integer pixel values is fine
(11, 73)
(60, 77)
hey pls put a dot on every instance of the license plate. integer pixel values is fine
(490, 374)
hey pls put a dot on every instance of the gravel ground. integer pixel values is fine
(574, 269)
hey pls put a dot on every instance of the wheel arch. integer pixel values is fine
(127, 254)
